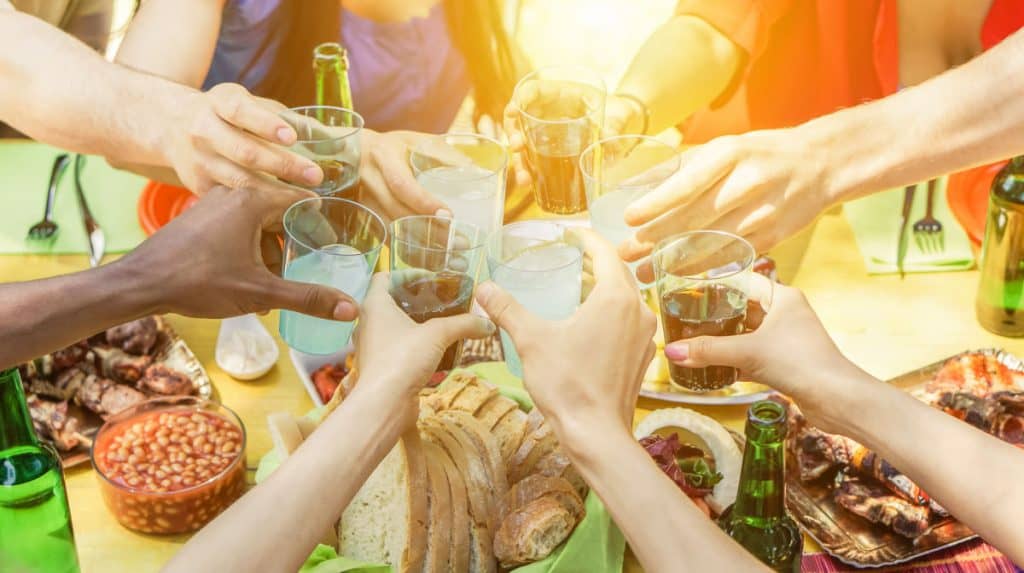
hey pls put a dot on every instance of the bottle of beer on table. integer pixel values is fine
(35, 522)
(758, 519)
(330, 62)
(1000, 304)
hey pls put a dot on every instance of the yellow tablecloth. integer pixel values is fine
(886, 325)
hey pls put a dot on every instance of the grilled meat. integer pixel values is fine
(973, 373)
(118, 365)
(64, 387)
(136, 337)
(51, 422)
(873, 502)
(161, 379)
(1000, 413)
(67, 357)
(118, 398)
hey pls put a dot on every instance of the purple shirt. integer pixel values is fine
(404, 75)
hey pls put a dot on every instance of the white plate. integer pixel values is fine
(306, 364)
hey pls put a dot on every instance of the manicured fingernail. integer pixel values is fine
(312, 174)
(677, 351)
(286, 135)
(443, 213)
(345, 311)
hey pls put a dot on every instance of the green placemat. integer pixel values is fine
(595, 546)
(112, 195)
(875, 220)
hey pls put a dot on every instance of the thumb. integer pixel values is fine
(460, 327)
(504, 310)
(308, 298)
(737, 351)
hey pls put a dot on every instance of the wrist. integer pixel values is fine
(584, 436)
(138, 291)
(850, 158)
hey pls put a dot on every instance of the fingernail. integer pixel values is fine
(443, 213)
(677, 351)
(312, 174)
(286, 135)
(345, 311)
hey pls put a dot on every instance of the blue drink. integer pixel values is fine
(332, 242)
(349, 274)
(531, 262)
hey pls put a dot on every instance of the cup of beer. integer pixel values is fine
(704, 289)
(434, 266)
(329, 136)
(561, 112)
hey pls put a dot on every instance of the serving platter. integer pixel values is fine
(856, 541)
(171, 350)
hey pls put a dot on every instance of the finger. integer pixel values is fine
(738, 351)
(506, 312)
(384, 204)
(251, 153)
(399, 182)
(608, 267)
(270, 249)
(645, 271)
(700, 170)
(308, 298)
(460, 327)
(235, 105)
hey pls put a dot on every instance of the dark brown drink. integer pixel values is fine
(558, 182)
(713, 310)
(341, 179)
(443, 294)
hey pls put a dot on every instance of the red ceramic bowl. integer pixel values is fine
(967, 195)
(159, 203)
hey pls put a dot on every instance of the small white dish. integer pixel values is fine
(307, 364)
(245, 350)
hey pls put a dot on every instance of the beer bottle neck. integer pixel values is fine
(330, 63)
(15, 423)
(760, 499)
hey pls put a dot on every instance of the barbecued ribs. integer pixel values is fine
(51, 421)
(135, 337)
(118, 365)
(162, 379)
(875, 503)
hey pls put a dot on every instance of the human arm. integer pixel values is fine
(396, 357)
(173, 39)
(585, 377)
(767, 185)
(681, 68)
(60, 92)
(972, 474)
(228, 276)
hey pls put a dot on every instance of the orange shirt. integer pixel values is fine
(807, 58)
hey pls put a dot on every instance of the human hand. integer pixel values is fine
(226, 136)
(398, 354)
(790, 351)
(586, 369)
(389, 186)
(763, 186)
(212, 262)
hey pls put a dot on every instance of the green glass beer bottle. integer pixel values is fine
(35, 522)
(330, 63)
(758, 520)
(1000, 302)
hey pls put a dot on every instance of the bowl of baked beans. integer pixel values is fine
(170, 465)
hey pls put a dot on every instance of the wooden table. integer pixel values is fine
(886, 325)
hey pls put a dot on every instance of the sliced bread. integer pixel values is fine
(386, 520)
(461, 524)
(472, 467)
(536, 445)
(474, 396)
(532, 532)
(439, 512)
(537, 486)
(557, 464)
(486, 446)
(510, 430)
(494, 409)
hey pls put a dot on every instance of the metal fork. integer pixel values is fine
(93, 232)
(46, 228)
(928, 230)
